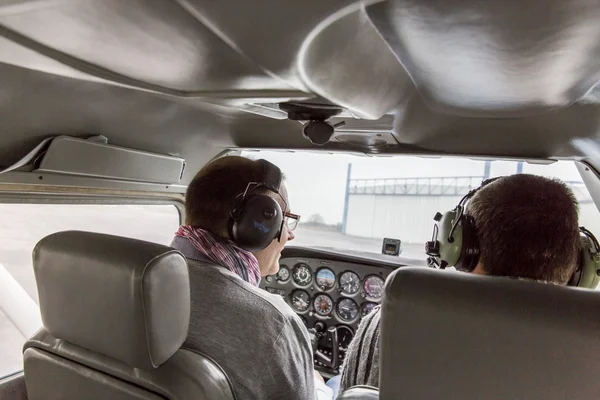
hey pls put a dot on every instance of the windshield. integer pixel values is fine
(350, 202)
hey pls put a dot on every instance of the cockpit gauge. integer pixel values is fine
(349, 283)
(302, 274)
(323, 305)
(347, 310)
(366, 308)
(325, 279)
(284, 274)
(373, 287)
(300, 300)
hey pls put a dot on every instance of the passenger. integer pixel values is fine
(527, 227)
(261, 344)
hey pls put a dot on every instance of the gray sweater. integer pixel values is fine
(361, 365)
(256, 338)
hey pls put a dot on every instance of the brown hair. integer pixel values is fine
(212, 194)
(527, 227)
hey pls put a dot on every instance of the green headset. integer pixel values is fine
(455, 243)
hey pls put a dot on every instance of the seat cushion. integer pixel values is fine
(186, 375)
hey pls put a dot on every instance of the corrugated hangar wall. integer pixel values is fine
(410, 217)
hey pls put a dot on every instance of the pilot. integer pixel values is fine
(257, 339)
(527, 228)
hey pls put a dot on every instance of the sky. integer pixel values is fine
(316, 182)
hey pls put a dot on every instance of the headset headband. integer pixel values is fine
(271, 180)
(592, 238)
(460, 208)
(472, 192)
(271, 176)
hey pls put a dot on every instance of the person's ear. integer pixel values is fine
(479, 269)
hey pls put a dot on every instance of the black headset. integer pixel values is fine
(257, 219)
(455, 243)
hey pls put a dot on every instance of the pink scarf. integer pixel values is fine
(223, 252)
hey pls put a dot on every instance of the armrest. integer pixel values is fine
(360, 393)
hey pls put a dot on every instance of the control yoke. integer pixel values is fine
(331, 338)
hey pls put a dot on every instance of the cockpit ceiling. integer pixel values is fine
(497, 78)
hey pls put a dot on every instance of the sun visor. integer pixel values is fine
(96, 158)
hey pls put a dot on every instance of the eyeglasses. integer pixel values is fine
(291, 220)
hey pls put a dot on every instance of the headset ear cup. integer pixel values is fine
(449, 251)
(586, 274)
(469, 255)
(257, 224)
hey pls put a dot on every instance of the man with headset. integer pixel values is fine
(236, 225)
(520, 226)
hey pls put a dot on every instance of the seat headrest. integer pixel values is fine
(124, 298)
(456, 335)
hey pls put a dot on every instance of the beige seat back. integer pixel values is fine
(449, 335)
(115, 314)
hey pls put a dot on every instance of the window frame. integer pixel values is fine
(87, 196)
(66, 199)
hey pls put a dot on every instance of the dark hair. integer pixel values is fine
(212, 194)
(527, 227)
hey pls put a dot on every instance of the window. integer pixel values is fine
(351, 202)
(23, 225)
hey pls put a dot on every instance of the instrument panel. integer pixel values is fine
(329, 294)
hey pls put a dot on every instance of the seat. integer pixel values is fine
(360, 392)
(115, 314)
(449, 335)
